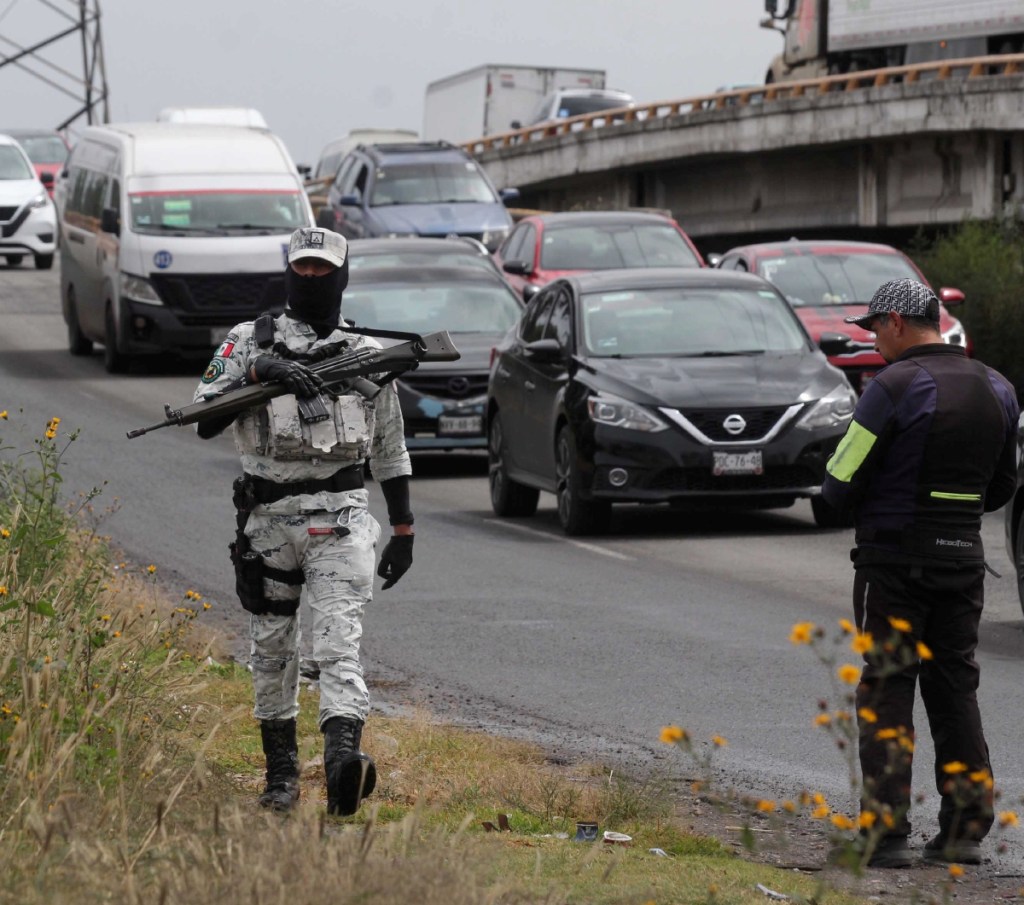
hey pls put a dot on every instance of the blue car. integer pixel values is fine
(416, 189)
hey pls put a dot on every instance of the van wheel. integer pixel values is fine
(78, 342)
(44, 262)
(577, 515)
(14, 260)
(827, 517)
(114, 361)
(509, 498)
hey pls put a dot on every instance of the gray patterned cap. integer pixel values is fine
(313, 242)
(908, 298)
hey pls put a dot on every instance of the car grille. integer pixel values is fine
(7, 212)
(218, 299)
(758, 422)
(446, 386)
(699, 480)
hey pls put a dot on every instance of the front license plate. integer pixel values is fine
(460, 425)
(737, 463)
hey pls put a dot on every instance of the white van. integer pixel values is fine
(172, 234)
(213, 116)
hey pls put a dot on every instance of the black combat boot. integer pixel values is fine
(282, 753)
(351, 775)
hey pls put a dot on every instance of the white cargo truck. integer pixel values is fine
(490, 98)
(825, 37)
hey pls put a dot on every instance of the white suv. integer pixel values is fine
(567, 102)
(28, 222)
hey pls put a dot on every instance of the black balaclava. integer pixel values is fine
(316, 300)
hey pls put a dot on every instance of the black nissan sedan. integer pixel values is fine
(661, 386)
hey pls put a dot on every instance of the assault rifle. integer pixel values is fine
(340, 373)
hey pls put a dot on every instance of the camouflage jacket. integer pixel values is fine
(272, 441)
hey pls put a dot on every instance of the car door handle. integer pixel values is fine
(529, 385)
(75, 236)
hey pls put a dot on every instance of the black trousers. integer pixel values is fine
(943, 609)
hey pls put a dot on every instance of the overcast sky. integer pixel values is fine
(317, 69)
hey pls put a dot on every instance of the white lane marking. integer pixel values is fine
(593, 548)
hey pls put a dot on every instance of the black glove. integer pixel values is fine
(396, 559)
(299, 379)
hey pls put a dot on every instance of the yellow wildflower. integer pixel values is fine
(846, 626)
(206, 606)
(718, 741)
(5, 532)
(901, 625)
(822, 719)
(789, 807)
(955, 870)
(801, 633)
(818, 798)
(3, 590)
(105, 617)
(151, 569)
(889, 821)
(842, 822)
(1007, 818)
(766, 806)
(862, 643)
(670, 735)
(848, 673)
(3, 414)
(868, 715)
(886, 734)
(867, 819)
(924, 651)
(954, 766)
(820, 812)
(117, 634)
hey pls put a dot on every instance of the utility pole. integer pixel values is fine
(88, 89)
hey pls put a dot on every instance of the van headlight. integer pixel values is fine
(492, 238)
(955, 335)
(40, 200)
(139, 289)
(832, 410)
(615, 412)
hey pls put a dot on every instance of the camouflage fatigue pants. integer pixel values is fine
(338, 570)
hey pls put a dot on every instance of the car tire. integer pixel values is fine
(14, 260)
(115, 361)
(577, 515)
(44, 262)
(509, 499)
(78, 342)
(827, 517)
(1018, 560)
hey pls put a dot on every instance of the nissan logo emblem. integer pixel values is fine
(458, 386)
(735, 425)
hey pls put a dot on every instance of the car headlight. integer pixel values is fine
(139, 289)
(40, 200)
(615, 412)
(955, 335)
(832, 410)
(492, 238)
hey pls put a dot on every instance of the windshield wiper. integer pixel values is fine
(282, 229)
(720, 354)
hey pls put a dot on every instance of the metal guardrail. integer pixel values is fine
(971, 68)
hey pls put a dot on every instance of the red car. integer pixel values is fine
(47, 150)
(827, 280)
(543, 247)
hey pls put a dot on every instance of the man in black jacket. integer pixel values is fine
(929, 450)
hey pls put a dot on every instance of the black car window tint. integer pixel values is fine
(513, 245)
(76, 191)
(114, 201)
(558, 327)
(536, 316)
(528, 250)
(361, 176)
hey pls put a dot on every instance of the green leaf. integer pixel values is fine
(44, 608)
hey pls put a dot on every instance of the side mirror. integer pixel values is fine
(304, 170)
(545, 350)
(519, 268)
(529, 291)
(834, 343)
(46, 179)
(951, 297)
(515, 124)
(771, 7)
(110, 221)
(64, 173)
(352, 199)
(508, 195)
(713, 258)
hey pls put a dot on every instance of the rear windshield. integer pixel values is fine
(689, 322)
(430, 183)
(455, 305)
(610, 247)
(577, 106)
(13, 164)
(443, 257)
(834, 278)
(216, 212)
(44, 149)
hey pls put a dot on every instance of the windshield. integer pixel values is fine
(430, 183)
(44, 149)
(13, 164)
(688, 322)
(443, 257)
(455, 306)
(836, 278)
(608, 247)
(577, 106)
(217, 211)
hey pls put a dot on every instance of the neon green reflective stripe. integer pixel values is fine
(851, 452)
(939, 495)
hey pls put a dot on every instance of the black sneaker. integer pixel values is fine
(889, 852)
(953, 851)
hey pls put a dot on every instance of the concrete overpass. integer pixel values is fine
(871, 154)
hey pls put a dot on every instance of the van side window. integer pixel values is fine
(94, 193)
(76, 189)
(114, 201)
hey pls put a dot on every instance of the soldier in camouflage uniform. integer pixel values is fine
(303, 517)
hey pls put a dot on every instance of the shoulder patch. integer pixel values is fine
(226, 348)
(214, 370)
